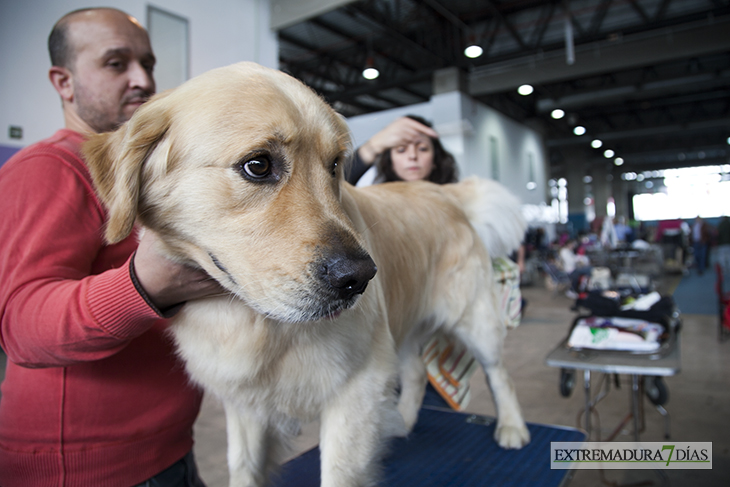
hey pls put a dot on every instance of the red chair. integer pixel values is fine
(723, 300)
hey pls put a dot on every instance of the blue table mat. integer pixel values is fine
(445, 449)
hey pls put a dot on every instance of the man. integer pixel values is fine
(577, 267)
(700, 241)
(624, 233)
(723, 244)
(93, 392)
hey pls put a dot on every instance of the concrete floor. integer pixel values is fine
(699, 402)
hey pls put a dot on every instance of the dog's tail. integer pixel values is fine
(494, 212)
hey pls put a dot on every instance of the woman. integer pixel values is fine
(421, 158)
(408, 149)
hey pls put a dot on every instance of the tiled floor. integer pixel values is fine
(699, 402)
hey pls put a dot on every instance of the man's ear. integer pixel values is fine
(115, 161)
(62, 81)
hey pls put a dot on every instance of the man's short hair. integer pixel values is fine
(58, 43)
(59, 46)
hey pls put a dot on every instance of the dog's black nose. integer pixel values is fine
(349, 275)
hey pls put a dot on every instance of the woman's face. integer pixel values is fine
(413, 161)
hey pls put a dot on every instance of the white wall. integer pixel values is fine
(221, 32)
(465, 127)
(516, 145)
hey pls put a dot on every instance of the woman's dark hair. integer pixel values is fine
(444, 164)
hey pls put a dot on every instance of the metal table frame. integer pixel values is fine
(636, 365)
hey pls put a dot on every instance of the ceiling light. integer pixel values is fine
(531, 185)
(557, 114)
(596, 143)
(608, 153)
(370, 73)
(473, 51)
(525, 90)
(579, 130)
(618, 161)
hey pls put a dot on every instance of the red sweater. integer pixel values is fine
(93, 394)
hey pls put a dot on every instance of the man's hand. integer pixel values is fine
(401, 131)
(166, 282)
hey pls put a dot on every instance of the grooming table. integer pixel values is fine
(665, 362)
(448, 448)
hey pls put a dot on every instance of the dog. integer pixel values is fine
(333, 289)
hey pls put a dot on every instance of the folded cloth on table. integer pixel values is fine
(615, 333)
(450, 366)
(507, 278)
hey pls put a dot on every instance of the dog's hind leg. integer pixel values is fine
(483, 332)
(413, 380)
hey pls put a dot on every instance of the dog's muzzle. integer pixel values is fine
(348, 275)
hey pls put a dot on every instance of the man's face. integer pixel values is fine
(111, 69)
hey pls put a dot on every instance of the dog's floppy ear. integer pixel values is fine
(115, 161)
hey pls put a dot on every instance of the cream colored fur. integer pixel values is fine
(284, 347)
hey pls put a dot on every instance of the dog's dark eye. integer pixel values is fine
(334, 168)
(257, 168)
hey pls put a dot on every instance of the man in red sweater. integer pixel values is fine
(93, 393)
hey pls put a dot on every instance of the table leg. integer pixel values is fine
(587, 387)
(635, 398)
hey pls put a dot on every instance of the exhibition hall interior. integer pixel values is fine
(609, 121)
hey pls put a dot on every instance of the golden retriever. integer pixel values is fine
(240, 172)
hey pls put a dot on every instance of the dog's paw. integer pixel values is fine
(512, 437)
(409, 416)
(394, 425)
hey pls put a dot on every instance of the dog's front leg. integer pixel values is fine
(247, 448)
(413, 380)
(354, 428)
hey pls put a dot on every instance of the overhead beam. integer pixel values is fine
(285, 13)
(709, 80)
(601, 57)
(684, 128)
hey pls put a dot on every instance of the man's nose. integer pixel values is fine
(140, 77)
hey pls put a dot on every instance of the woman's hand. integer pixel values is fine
(402, 131)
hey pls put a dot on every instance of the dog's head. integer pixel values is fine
(239, 171)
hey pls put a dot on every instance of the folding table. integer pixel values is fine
(665, 362)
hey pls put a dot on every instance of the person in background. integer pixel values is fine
(408, 149)
(608, 237)
(577, 266)
(723, 244)
(624, 233)
(93, 392)
(700, 241)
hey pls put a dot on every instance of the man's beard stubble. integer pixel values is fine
(103, 118)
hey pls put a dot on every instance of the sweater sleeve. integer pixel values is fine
(356, 170)
(65, 297)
